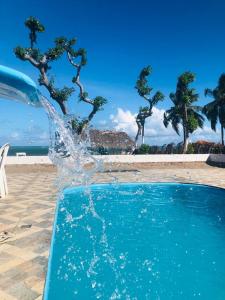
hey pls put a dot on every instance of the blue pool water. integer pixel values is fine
(142, 241)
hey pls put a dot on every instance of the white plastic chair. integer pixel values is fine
(3, 182)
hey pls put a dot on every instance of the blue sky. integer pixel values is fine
(121, 37)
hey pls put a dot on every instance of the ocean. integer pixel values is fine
(29, 150)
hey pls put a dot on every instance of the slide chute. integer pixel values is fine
(15, 85)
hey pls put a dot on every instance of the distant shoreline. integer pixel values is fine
(29, 150)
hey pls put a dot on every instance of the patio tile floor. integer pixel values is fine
(28, 211)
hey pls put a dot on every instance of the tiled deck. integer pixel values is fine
(24, 256)
(26, 216)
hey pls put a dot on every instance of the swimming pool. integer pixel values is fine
(142, 241)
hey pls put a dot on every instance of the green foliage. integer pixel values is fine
(62, 44)
(192, 124)
(184, 94)
(144, 90)
(190, 149)
(54, 53)
(20, 52)
(42, 61)
(144, 149)
(143, 113)
(78, 124)
(34, 26)
(183, 112)
(64, 93)
(82, 96)
(98, 102)
(101, 150)
(143, 109)
(185, 79)
(83, 55)
(157, 97)
(35, 54)
(75, 124)
(173, 116)
(215, 110)
(80, 53)
(142, 83)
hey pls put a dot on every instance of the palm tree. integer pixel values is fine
(215, 110)
(183, 112)
(144, 91)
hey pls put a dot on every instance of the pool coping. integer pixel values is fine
(68, 189)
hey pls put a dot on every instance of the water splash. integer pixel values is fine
(68, 151)
(77, 166)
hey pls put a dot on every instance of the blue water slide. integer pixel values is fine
(15, 85)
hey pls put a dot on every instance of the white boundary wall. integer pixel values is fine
(28, 160)
(163, 158)
(156, 158)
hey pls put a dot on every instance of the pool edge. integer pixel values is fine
(81, 187)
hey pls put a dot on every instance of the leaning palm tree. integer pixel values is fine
(184, 113)
(215, 110)
(144, 91)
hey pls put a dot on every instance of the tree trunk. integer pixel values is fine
(85, 124)
(185, 146)
(63, 107)
(222, 135)
(185, 129)
(143, 135)
(137, 135)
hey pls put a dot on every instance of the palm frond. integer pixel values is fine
(208, 92)
(156, 98)
(173, 98)
(165, 120)
(200, 119)
(197, 108)
(222, 115)
(171, 116)
(175, 124)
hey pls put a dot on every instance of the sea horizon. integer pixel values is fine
(29, 150)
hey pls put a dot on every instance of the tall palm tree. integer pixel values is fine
(144, 91)
(215, 110)
(183, 112)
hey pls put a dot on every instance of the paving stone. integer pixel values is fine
(32, 199)
(5, 257)
(22, 292)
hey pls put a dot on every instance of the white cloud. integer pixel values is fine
(207, 134)
(155, 131)
(124, 121)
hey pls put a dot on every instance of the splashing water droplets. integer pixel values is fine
(76, 166)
